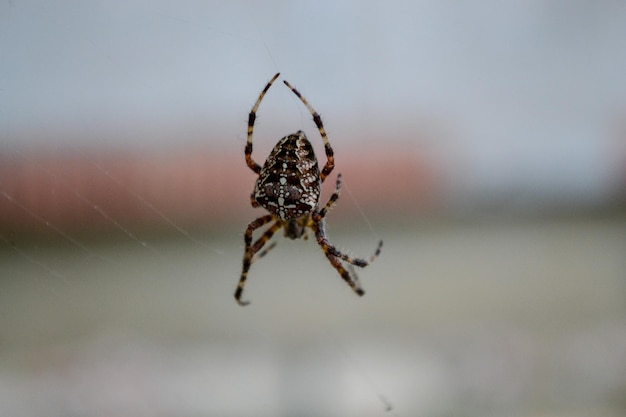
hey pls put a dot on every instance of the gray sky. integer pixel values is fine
(529, 94)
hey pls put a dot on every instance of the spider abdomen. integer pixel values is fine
(289, 183)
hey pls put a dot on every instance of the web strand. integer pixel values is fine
(149, 205)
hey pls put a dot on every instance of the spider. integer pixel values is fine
(288, 187)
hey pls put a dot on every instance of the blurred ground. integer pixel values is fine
(522, 318)
(110, 191)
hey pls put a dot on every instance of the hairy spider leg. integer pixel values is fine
(329, 251)
(330, 158)
(252, 249)
(321, 214)
(332, 253)
(251, 118)
(265, 251)
(332, 200)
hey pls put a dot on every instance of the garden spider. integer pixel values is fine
(288, 187)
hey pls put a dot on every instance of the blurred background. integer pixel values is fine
(484, 142)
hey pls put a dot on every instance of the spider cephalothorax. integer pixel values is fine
(288, 187)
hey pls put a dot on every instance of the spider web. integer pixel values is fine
(130, 317)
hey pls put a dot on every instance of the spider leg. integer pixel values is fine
(353, 274)
(331, 201)
(251, 118)
(350, 280)
(361, 263)
(252, 249)
(265, 237)
(330, 158)
(318, 219)
(333, 254)
(265, 251)
(253, 201)
(330, 251)
(333, 251)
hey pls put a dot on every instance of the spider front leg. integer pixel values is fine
(251, 118)
(251, 249)
(330, 155)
